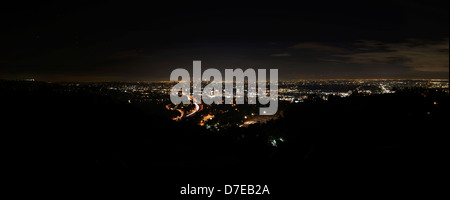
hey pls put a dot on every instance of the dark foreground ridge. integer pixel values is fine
(352, 147)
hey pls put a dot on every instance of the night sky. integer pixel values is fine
(127, 41)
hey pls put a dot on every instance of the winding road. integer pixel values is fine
(198, 107)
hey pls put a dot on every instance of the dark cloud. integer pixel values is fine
(281, 55)
(318, 47)
(420, 55)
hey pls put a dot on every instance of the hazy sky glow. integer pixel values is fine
(117, 41)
